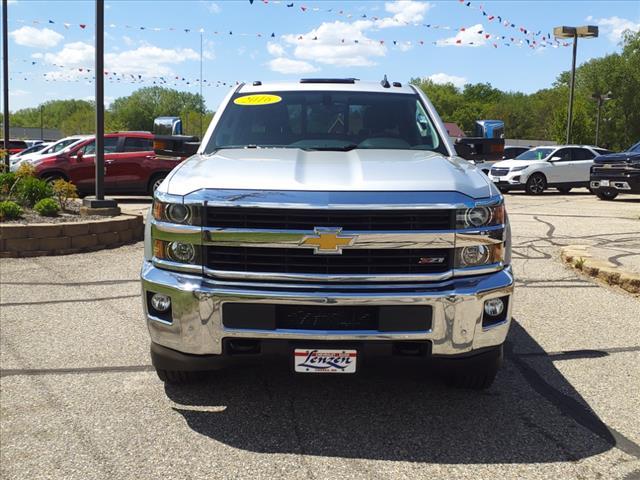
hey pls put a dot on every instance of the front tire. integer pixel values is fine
(607, 194)
(179, 377)
(536, 184)
(475, 373)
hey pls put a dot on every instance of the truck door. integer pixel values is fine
(82, 169)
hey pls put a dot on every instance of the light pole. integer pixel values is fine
(600, 98)
(587, 31)
(5, 80)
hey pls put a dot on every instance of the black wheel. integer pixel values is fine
(608, 194)
(155, 183)
(179, 377)
(503, 190)
(53, 177)
(474, 373)
(564, 190)
(536, 184)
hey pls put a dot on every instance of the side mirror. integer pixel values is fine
(555, 159)
(79, 155)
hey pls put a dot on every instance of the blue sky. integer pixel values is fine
(363, 39)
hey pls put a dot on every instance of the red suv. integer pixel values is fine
(131, 166)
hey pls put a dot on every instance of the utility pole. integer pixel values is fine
(41, 122)
(600, 98)
(587, 31)
(201, 97)
(98, 204)
(5, 80)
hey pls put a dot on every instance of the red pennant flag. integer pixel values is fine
(83, 26)
(491, 17)
(458, 41)
(487, 36)
(303, 8)
(462, 29)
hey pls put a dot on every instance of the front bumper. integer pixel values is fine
(510, 181)
(196, 326)
(626, 181)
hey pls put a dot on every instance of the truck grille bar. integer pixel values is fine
(304, 261)
(308, 219)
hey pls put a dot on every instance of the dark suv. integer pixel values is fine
(616, 173)
(131, 166)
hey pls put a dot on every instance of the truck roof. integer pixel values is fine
(325, 84)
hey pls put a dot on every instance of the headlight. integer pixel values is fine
(518, 169)
(478, 255)
(176, 213)
(179, 252)
(480, 216)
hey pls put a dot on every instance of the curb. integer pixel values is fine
(44, 239)
(579, 257)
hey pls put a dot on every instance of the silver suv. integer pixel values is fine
(327, 223)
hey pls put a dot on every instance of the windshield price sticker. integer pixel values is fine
(252, 100)
(324, 361)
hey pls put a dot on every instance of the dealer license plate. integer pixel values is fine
(317, 360)
(604, 183)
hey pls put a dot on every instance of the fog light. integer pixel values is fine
(494, 307)
(162, 303)
(475, 255)
(182, 252)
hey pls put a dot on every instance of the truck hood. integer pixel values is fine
(355, 170)
(617, 157)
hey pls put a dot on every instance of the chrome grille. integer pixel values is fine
(308, 219)
(304, 261)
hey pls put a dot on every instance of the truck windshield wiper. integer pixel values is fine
(342, 148)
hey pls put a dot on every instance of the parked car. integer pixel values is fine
(327, 222)
(562, 167)
(27, 151)
(131, 166)
(616, 172)
(50, 150)
(32, 143)
(511, 151)
(14, 146)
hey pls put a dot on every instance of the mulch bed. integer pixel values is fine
(72, 214)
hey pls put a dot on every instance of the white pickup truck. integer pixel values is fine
(327, 224)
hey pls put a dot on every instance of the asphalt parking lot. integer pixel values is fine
(79, 399)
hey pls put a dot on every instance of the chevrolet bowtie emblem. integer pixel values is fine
(328, 240)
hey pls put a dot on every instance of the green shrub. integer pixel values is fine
(9, 210)
(64, 192)
(31, 190)
(26, 170)
(47, 207)
(6, 182)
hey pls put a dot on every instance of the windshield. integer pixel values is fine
(635, 148)
(313, 120)
(59, 145)
(535, 154)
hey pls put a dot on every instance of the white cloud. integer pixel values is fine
(469, 37)
(72, 54)
(338, 43)
(442, 78)
(405, 12)
(214, 8)
(37, 55)
(36, 37)
(146, 60)
(275, 49)
(613, 27)
(16, 92)
(289, 66)
(128, 40)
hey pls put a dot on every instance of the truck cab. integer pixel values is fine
(325, 223)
